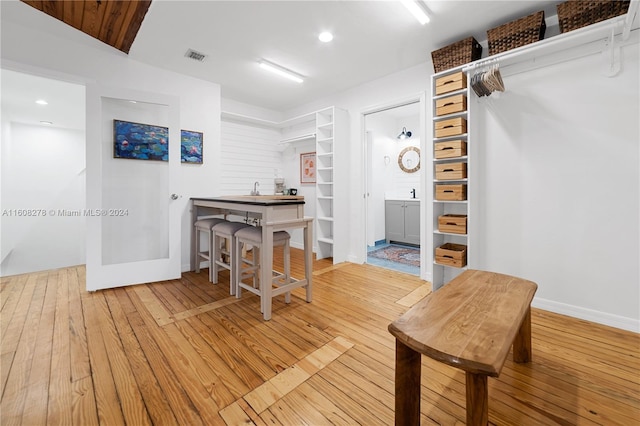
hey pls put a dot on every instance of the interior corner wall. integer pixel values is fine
(43, 192)
(82, 59)
(559, 186)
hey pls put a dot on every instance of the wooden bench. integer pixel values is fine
(470, 324)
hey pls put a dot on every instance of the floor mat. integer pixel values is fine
(401, 254)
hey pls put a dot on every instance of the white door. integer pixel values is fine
(133, 222)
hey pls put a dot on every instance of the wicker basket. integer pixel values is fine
(456, 54)
(577, 14)
(517, 33)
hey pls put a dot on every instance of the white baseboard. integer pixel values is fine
(624, 323)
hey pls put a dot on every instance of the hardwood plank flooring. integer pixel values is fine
(184, 352)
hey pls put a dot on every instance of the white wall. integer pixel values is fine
(559, 202)
(76, 57)
(43, 172)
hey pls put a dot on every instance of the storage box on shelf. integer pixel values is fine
(451, 127)
(452, 223)
(451, 104)
(451, 171)
(456, 54)
(451, 83)
(453, 192)
(449, 149)
(520, 32)
(577, 14)
(452, 254)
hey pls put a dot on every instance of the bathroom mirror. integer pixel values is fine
(409, 159)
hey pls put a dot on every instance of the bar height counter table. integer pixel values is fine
(276, 213)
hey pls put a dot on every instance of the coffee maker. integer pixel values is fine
(278, 184)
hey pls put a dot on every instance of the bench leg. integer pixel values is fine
(407, 385)
(522, 342)
(477, 400)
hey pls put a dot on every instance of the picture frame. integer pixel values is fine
(138, 141)
(191, 146)
(308, 167)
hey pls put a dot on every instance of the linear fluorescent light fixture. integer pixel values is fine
(281, 71)
(416, 10)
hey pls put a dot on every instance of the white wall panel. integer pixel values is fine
(249, 154)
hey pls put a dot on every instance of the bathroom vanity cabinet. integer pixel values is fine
(402, 221)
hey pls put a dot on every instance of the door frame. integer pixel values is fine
(99, 276)
(420, 98)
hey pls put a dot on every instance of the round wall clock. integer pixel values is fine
(409, 159)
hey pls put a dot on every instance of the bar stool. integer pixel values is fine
(226, 231)
(253, 236)
(205, 225)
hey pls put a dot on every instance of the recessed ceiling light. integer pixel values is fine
(416, 10)
(325, 37)
(280, 70)
(42, 102)
(48, 123)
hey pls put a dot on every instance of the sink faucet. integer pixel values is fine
(413, 193)
(255, 191)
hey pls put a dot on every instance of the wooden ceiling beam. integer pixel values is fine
(114, 22)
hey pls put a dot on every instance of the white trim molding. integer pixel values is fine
(624, 323)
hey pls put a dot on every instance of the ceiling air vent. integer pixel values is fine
(192, 54)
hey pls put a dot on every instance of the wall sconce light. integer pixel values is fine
(405, 134)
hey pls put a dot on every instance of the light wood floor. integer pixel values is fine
(183, 352)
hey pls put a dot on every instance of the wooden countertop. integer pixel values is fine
(262, 200)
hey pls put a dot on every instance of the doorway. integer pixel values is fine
(42, 173)
(393, 186)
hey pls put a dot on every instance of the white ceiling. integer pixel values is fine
(371, 39)
(66, 101)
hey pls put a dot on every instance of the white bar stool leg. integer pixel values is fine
(287, 270)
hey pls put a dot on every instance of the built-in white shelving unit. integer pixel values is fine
(331, 213)
(443, 272)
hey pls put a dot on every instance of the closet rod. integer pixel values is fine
(298, 138)
(576, 38)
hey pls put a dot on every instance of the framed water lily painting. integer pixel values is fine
(139, 141)
(191, 147)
